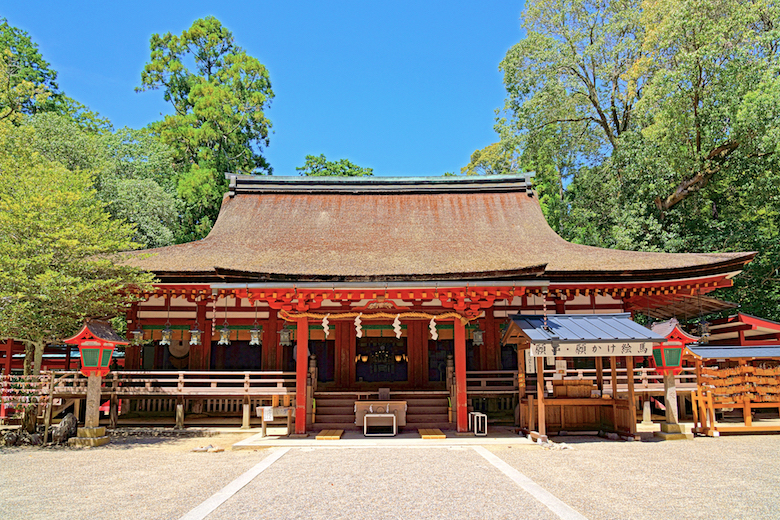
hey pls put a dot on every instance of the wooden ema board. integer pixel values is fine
(745, 387)
(329, 435)
(431, 433)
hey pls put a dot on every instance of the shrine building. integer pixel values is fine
(406, 285)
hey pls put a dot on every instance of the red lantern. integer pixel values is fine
(667, 358)
(96, 341)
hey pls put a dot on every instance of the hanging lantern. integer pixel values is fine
(195, 336)
(398, 358)
(224, 336)
(667, 358)
(165, 335)
(704, 332)
(284, 337)
(138, 337)
(254, 333)
(478, 338)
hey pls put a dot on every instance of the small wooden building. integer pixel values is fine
(357, 284)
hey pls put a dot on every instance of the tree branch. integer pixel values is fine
(700, 179)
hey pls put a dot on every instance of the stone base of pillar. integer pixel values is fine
(673, 432)
(89, 437)
(298, 435)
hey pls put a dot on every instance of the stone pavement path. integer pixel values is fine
(382, 483)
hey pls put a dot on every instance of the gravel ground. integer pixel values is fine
(156, 477)
(132, 478)
(728, 477)
(382, 483)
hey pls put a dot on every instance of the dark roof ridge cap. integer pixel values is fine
(253, 184)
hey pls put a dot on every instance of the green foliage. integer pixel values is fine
(33, 84)
(219, 94)
(660, 123)
(320, 166)
(494, 159)
(134, 173)
(56, 247)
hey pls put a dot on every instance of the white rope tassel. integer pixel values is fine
(397, 326)
(358, 328)
(325, 323)
(432, 326)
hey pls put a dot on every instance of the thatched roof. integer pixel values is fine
(396, 229)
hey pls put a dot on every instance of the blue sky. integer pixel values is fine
(405, 88)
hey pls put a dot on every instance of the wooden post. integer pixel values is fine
(460, 377)
(531, 420)
(247, 409)
(113, 411)
(301, 369)
(600, 374)
(613, 369)
(49, 405)
(631, 395)
(179, 413)
(540, 394)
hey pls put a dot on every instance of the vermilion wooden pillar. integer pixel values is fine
(132, 352)
(270, 340)
(301, 367)
(460, 376)
(492, 347)
(200, 355)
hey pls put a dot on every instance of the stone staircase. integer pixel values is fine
(424, 410)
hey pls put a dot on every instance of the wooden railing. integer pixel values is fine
(128, 384)
(645, 380)
(491, 381)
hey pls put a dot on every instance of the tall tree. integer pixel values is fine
(219, 125)
(29, 74)
(662, 121)
(134, 173)
(320, 166)
(56, 242)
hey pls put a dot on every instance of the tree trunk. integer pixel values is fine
(29, 353)
(39, 346)
(30, 418)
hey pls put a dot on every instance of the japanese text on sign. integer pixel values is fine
(591, 349)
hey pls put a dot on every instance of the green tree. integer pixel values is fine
(320, 166)
(662, 121)
(134, 173)
(219, 125)
(56, 247)
(494, 159)
(28, 74)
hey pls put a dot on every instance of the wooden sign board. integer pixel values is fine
(588, 349)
